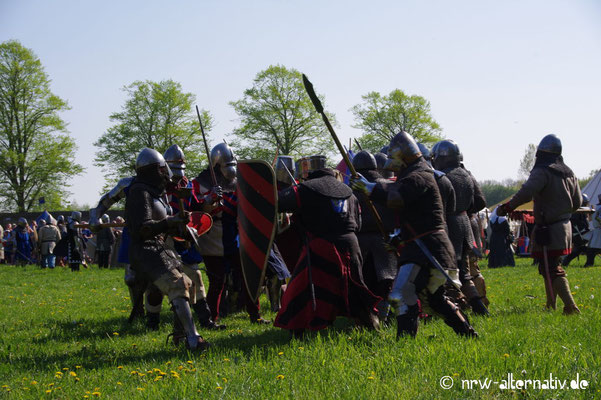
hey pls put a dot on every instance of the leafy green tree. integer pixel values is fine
(584, 181)
(381, 117)
(495, 191)
(155, 115)
(36, 152)
(276, 115)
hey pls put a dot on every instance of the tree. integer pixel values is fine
(36, 152)
(584, 181)
(527, 162)
(382, 117)
(276, 114)
(495, 191)
(155, 115)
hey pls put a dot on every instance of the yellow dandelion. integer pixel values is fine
(119, 383)
(48, 391)
(226, 359)
(180, 368)
(455, 374)
(371, 377)
(134, 372)
(301, 348)
(76, 379)
(168, 363)
(97, 394)
(134, 345)
(50, 384)
(224, 380)
(218, 388)
(77, 366)
(140, 389)
(65, 369)
(158, 378)
(34, 382)
(72, 373)
(190, 362)
(120, 367)
(505, 355)
(141, 374)
(280, 377)
(281, 353)
(86, 396)
(115, 333)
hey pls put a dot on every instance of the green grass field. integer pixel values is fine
(64, 335)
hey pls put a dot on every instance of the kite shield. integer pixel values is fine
(257, 219)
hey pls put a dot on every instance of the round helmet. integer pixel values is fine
(381, 160)
(446, 154)
(585, 200)
(223, 156)
(306, 165)
(42, 222)
(284, 166)
(402, 151)
(384, 149)
(550, 144)
(22, 222)
(60, 218)
(105, 219)
(174, 157)
(150, 157)
(76, 216)
(50, 220)
(364, 160)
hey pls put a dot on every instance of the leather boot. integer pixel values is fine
(203, 313)
(152, 321)
(481, 287)
(407, 323)
(478, 306)
(562, 289)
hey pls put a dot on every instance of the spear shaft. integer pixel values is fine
(204, 139)
(347, 160)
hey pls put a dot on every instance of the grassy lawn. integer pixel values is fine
(64, 335)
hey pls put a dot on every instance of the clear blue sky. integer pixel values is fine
(498, 74)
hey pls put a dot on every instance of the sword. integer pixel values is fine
(289, 173)
(319, 107)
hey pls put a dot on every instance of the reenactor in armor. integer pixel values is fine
(174, 157)
(447, 158)
(48, 237)
(380, 265)
(427, 252)
(149, 222)
(75, 243)
(104, 243)
(327, 279)
(556, 194)
(219, 247)
(143, 295)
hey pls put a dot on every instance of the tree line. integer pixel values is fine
(275, 115)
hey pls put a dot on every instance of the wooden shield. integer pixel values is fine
(257, 213)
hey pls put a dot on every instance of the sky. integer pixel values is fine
(498, 75)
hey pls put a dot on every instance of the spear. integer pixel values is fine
(358, 145)
(319, 107)
(204, 139)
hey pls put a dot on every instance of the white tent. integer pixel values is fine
(593, 188)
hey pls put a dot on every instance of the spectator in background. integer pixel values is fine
(1, 244)
(8, 244)
(48, 237)
(104, 242)
(594, 246)
(22, 242)
(501, 239)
